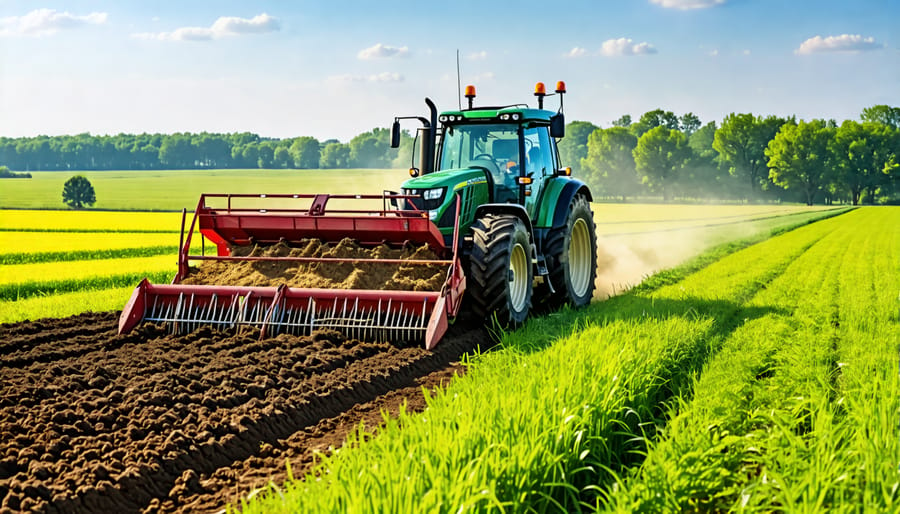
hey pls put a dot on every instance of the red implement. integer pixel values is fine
(398, 316)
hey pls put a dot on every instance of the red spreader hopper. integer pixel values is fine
(369, 315)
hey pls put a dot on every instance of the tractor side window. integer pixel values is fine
(546, 158)
(538, 152)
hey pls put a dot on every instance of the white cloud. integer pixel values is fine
(746, 52)
(225, 26)
(477, 56)
(385, 76)
(380, 51)
(713, 53)
(687, 4)
(576, 52)
(45, 22)
(625, 46)
(843, 43)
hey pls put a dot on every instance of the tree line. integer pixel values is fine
(745, 157)
(86, 152)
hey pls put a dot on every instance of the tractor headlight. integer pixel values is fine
(433, 194)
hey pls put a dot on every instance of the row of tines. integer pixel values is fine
(389, 320)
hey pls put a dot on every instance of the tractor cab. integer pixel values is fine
(515, 156)
(483, 156)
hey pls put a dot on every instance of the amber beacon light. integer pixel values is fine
(470, 94)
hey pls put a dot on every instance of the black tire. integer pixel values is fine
(499, 245)
(573, 283)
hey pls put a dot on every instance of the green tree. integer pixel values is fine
(573, 147)
(703, 174)
(282, 157)
(305, 152)
(335, 155)
(659, 155)
(859, 153)
(741, 142)
(689, 123)
(78, 192)
(883, 114)
(371, 149)
(266, 155)
(623, 121)
(610, 161)
(798, 157)
(655, 118)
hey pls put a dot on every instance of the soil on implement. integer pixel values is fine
(95, 422)
(325, 275)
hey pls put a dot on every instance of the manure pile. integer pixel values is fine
(326, 275)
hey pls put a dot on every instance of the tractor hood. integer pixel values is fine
(453, 179)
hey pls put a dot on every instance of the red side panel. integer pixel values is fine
(268, 228)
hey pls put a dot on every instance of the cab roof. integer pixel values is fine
(497, 114)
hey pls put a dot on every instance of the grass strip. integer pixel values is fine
(65, 304)
(798, 411)
(83, 255)
(541, 425)
(23, 290)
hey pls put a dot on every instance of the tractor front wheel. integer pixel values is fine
(571, 255)
(500, 270)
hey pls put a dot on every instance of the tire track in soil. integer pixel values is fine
(152, 422)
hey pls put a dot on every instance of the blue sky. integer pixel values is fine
(335, 69)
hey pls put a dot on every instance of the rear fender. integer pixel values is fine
(556, 202)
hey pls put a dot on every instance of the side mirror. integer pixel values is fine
(395, 134)
(558, 126)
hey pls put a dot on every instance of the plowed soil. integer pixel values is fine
(328, 275)
(146, 422)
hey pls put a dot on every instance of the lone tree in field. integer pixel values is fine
(78, 192)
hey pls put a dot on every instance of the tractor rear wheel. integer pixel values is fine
(500, 271)
(571, 255)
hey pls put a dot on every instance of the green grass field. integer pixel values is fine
(759, 377)
(172, 190)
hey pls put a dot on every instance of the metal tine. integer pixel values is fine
(404, 327)
(311, 317)
(232, 311)
(209, 316)
(384, 336)
(343, 316)
(361, 324)
(154, 313)
(245, 310)
(170, 317)
(333, 313)
(254, 314)
(192, 314)
(177, 313)
(281, 314)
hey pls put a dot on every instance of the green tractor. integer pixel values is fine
(527, 231)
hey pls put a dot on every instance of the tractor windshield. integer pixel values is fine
(493, 146)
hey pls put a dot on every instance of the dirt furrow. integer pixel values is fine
(149, 421)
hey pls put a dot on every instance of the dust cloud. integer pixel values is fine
(624, 261)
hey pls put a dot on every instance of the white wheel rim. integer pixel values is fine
(580, 258)
(518, 278)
